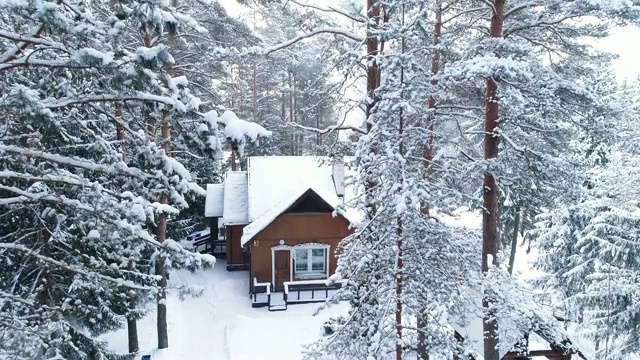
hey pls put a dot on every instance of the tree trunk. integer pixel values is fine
(161, 319)
(151, 122)
(422, 348)
(431, 102)
(514, 239)
(120, 129)
(293, 134)
(255, 99)
(132, 324)
(163, 333)
(399, 282)
(490, 191)
(373, 77)
(318, 138)
(400, 264)
(233, 160)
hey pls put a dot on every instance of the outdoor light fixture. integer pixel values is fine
(281, 241)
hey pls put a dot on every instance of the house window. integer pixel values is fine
(311, 261)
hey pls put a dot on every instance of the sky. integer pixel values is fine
(621, 42)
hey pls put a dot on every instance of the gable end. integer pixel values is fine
(309, 202)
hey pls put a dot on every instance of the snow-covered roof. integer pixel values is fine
(270, 186)
(235, 198)
(275, 183)
(213, 206)
(273, 178)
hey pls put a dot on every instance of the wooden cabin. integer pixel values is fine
(280, 218)
(298, 244)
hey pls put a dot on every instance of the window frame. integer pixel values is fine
(309, 268)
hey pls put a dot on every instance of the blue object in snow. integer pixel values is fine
(167, 276)
(146, 357)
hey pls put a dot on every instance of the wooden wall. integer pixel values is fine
(236, 258)
(296, 229)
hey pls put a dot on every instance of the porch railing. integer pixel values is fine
(261, 288)
(203, 244)
(297, 287)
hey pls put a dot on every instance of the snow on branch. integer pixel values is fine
(113, 98)
(26, 61)
(29, 252)
(25, 196)
(25, 39)
(10, 54)
(74, 181)
(120, 168)
(235, 129)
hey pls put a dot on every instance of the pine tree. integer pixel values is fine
(588, 245)
(77, 241)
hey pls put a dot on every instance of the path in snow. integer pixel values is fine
(221, 324)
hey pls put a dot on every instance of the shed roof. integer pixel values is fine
(235, 198)
(213, 206)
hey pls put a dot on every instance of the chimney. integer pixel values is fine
(337, 169)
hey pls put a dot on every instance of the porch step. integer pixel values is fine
(278, 307)
(277, 302)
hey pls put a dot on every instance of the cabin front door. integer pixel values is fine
(282, 268)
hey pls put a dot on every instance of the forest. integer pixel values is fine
(115, 115)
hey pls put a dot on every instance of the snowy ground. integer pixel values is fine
(221, 324)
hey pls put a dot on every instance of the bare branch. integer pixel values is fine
(520, 7)
(490, 4)
(335, 31)
(359, 18)
(326, 130)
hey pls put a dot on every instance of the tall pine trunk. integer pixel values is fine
(514, 239)
(161, 320)
(427, 157)
(399, 276)
(255, 93)
(399, 261)
(490, 218)
(132, 324)
(293, 134)
(318, 136)
(163, 334)
(373, 81)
